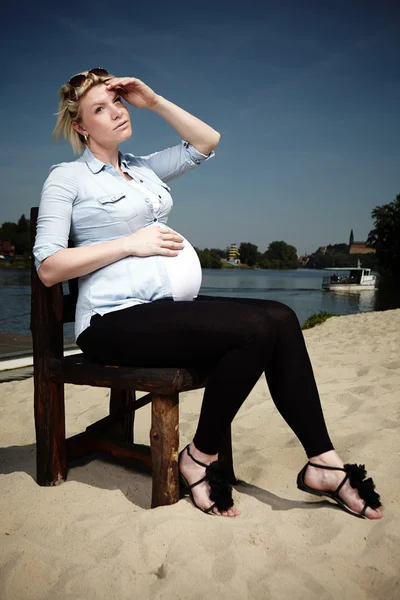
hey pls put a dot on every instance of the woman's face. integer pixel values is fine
(104, 117)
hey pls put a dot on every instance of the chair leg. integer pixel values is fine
(164, 441)
(49, 411)
(123, 429)
(225, 456)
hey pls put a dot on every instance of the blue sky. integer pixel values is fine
(306, 95)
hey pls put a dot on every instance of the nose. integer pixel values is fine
(116, 112)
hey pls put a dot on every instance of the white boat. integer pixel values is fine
(350, 279)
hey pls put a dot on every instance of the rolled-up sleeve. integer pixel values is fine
(54, 219)
(173, 162)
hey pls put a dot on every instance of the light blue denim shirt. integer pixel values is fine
(89, 202)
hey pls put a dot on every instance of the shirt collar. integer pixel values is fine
(94, 164)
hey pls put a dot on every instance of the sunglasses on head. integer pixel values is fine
(77, 80)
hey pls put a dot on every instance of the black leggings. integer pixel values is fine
(237, 339)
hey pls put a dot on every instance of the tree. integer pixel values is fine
(22, 236)
(209, 259)
(248, 253)
(337, 249)
(385, 238)
(215, 260)
(22, 225)
(281, 255)
(219, 252)
(8, 231)
(18, 234)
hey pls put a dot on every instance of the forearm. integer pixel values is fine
(75, 262)
(203, 137)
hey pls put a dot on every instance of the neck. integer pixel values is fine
(106, 155)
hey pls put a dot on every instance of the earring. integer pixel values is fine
(85, 136)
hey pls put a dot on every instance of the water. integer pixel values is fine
(300, 289)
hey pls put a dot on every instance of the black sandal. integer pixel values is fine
(356, 475)
(220, 489)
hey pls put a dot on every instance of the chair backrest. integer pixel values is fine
(50, 308)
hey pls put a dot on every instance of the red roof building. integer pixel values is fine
(6, 248)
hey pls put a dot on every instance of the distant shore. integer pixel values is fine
(6, 265)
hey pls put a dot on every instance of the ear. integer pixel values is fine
(78, 127)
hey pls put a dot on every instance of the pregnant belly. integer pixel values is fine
(184, 272)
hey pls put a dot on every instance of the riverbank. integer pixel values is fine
(95, 536)
(17, 345)
(16, 359)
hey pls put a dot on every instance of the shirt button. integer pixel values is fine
(141, 180)
(159, 196)
(147, 200)
(155, 220)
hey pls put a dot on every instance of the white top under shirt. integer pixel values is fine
(152, 196)
(184, 270)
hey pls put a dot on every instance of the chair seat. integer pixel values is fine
(78, 370)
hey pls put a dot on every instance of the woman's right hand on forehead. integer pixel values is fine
(153, 240)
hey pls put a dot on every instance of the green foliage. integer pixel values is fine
(280, 255)
(248, 254)
(385, 238)
(281, 251)
(219, 252)
(209, 259)
(23, 225)
(333, 249)
(18, 234)
(317, 319)
(8, 231)
(341, 259)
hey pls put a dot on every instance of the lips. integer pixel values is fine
(121, 125)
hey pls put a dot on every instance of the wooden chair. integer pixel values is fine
(112, 435)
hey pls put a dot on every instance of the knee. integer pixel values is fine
(287, 314)
(281, 312)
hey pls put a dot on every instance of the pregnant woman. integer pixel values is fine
(139, 280)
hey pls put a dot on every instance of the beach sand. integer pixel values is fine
(95, 536)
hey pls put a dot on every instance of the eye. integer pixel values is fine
(97, 109)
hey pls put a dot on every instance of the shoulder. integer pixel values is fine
(68, 166)
(67, 171)
(63, 167)
(62, 179)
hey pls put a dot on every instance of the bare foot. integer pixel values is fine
(325, 480)
(193, 472)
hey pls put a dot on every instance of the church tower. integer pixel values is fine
(351, 238)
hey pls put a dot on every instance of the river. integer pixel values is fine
(300, 289)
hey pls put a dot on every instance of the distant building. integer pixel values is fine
(303, 260)
(358, 247)
(322, 249)
(6, 249)
(234, 256)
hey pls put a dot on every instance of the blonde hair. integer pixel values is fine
(69, 110)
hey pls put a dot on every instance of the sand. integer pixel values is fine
(95, 536)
